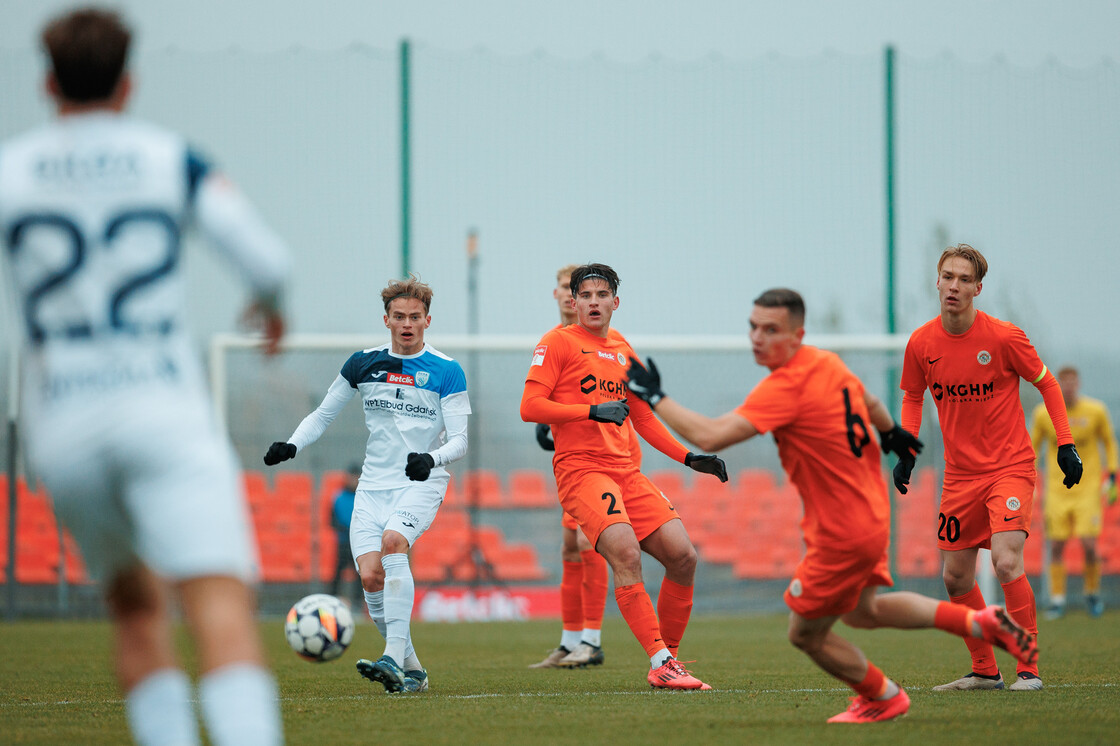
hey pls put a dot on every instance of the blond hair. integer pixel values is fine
(969, 254)
(410, 288)
(566, 271)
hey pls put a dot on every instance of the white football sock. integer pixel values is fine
(160, 712)
(240, 706)
(375, 602)
(569, 639)
(890, 691)
(592, 636)
(657, 660)
(400, 593)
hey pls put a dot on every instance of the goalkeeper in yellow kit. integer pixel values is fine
(1077, 511)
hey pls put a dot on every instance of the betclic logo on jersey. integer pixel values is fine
(401, 379)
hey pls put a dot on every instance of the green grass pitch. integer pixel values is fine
(57, 688)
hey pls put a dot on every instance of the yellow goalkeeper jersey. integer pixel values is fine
(1092, 432)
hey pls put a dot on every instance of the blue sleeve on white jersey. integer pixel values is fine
(453, 381)
(197, 169)
(352, 369)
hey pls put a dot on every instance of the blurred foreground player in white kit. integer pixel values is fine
(117, 420)
(416, 407)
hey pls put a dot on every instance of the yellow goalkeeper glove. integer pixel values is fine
(1110, 489)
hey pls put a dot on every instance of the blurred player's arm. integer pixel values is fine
(706, 433)
(1038, 430)
(314, 424)
(1107, 436)
(710, 434)
(229, 220)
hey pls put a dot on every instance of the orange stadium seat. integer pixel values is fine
(453, 498)
(518, 562)
(483, 488)
(671, 482)
(531, 488)
(755, 480)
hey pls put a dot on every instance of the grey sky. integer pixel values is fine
(1027, 32)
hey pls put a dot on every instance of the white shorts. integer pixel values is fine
(407, 510)
(153, 481)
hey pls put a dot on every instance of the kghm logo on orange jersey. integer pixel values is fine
(963, 391)
(401, 379)
(611, 389)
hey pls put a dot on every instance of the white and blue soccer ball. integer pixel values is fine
(319, 627)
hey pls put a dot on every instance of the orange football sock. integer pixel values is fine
(637, 610)
(674, 607)
(873, 684)
(594, 588)
(1020, 605)
(571, 601)
(954, 618)
(983, 657)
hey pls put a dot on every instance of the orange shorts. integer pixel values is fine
(975, 507)
(829, 580)
(599, 497)
(568, 522)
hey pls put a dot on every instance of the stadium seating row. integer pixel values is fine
(750, 524)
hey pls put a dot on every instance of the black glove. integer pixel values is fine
(902, 471)
(706, 464)
(614, 412)
(1070, 464)
(900, 442)
(278, 452)
(419, 466)
(645, 383)
(544, 437)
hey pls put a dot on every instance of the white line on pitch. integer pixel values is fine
(528, 695)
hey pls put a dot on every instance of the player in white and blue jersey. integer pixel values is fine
(416, 405)
(116, 417)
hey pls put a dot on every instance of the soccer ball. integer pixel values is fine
(319, 627)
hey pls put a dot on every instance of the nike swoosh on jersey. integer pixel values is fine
(1010, 518)
(932, 360)
(587, 352)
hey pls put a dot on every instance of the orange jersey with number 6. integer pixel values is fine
(815, 407)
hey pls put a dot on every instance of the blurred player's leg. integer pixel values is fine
(157, 693)
(237, 693)
(877, 697)
(1092, 576)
